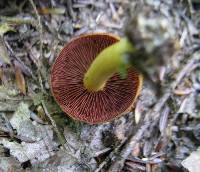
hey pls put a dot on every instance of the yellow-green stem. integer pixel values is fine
(106, 64)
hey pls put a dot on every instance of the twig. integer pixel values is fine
(18, 21)
(26, 70)
(40, 29)
(60, 137)
(111, 156)
(62, 140)
(186, 69)
(113, 10)
(70, 10)
(191, 7)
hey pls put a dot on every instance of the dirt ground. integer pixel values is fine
(161, 131)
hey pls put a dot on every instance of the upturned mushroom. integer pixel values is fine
(85, 80)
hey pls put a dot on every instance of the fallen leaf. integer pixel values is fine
(164, 120)
(10, 169)
(1, 74)
(180, 92)
(136, 151)
(21, 114)
(188, 106)
(41, 113)
(4, 57)
(162, 73)
(20, 81)
(46, 10)
(138, 112)
(9, 164)
(5, 27)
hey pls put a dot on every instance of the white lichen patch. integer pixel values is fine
(16, 150)
(35, 152)
(9, 164)
(192, 163)
(80, 150)
(21, 114)
(37, 140)
(28, 131)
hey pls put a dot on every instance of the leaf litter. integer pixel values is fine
(39, 136)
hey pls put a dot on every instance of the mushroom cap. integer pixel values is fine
(67, 86)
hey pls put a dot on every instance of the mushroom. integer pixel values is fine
(85, 80)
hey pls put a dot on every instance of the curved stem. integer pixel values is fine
(106, 64)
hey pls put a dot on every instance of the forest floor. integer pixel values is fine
(35, 135)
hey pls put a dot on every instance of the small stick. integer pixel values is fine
(40, 29)
(70, 9)
(18, 21)
(26, 70)
(60, 137)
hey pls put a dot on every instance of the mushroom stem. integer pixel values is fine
(106, 64)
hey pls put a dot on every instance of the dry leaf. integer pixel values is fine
(41, 113)
(4, 57)
(5, 27)
(136, 150)
(20, 81)
(10, 169)
(162, 72)
(163, 120)
(181, 92)
(47, 10)
(138, 112)
(1, 74)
